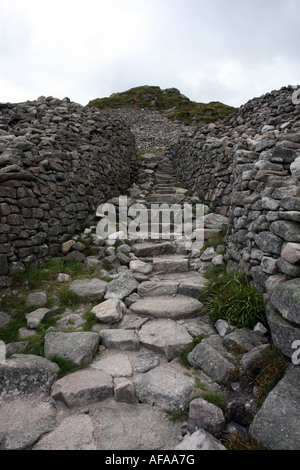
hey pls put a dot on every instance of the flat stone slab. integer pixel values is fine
(83, 387)
(277, 424)
(165, 388)
(176, 307)
(131, 427)
(74, 433)
(117, 365)
(78, 347)
(157, 288)
(171, 264)
(92, 288)
(24, 420)
(26, 374)
(149, 249)
(125, 340)
(165, 337)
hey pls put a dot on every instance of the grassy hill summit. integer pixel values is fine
(170, 101)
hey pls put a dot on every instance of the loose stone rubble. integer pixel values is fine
(131, 379)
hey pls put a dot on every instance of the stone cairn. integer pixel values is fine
(148, 314)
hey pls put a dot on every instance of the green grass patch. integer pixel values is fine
(239, 442)
(232, 298)
(180, 415)
(91, 320)
(215, 398)
(68, 298)
(216, 240)
(66, 367)
(170, 101)
(48, 271)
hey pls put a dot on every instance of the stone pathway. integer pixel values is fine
(148, 315)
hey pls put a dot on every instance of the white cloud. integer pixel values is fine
(211, 50)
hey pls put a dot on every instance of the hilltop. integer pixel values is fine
(170, 101)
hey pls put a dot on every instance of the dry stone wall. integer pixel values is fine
(248, 168)
(58, 162)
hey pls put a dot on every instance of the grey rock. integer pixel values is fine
(124, 390)
(122, 287)
(83, 387)
(269, 242)
(145, 362)
(91, 288)
(143, 250)
(23, 375)
(215, 221)
(129, 427)
(165, 337)
(208, 254)
(277, 424)
(35, 318)
(125, 340)
(253, 355)
(288, 268)
(140, 267)
(200, 440)
(245, 338)
(205, 415)
(222, 327)
(77, 347)
(269, 265)
(117, 365)
(283, 332)
(289, 231)
(164, 388)
(38, 299)
(73, 433)
(176, 307)
(171, 264)
(62, 277)
(286, 298)
(110, 311)
(24, 420)
(157, 288)
(4, 319)
(212, 357)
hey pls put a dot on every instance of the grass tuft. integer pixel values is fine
(232, 298)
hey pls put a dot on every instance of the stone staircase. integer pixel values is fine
(148, 317)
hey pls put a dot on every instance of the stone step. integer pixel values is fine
(176, 307)
(165, 198)
(189, 285)
(171, 264)
(149, 249)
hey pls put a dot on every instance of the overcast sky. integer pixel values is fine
(211, 50)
